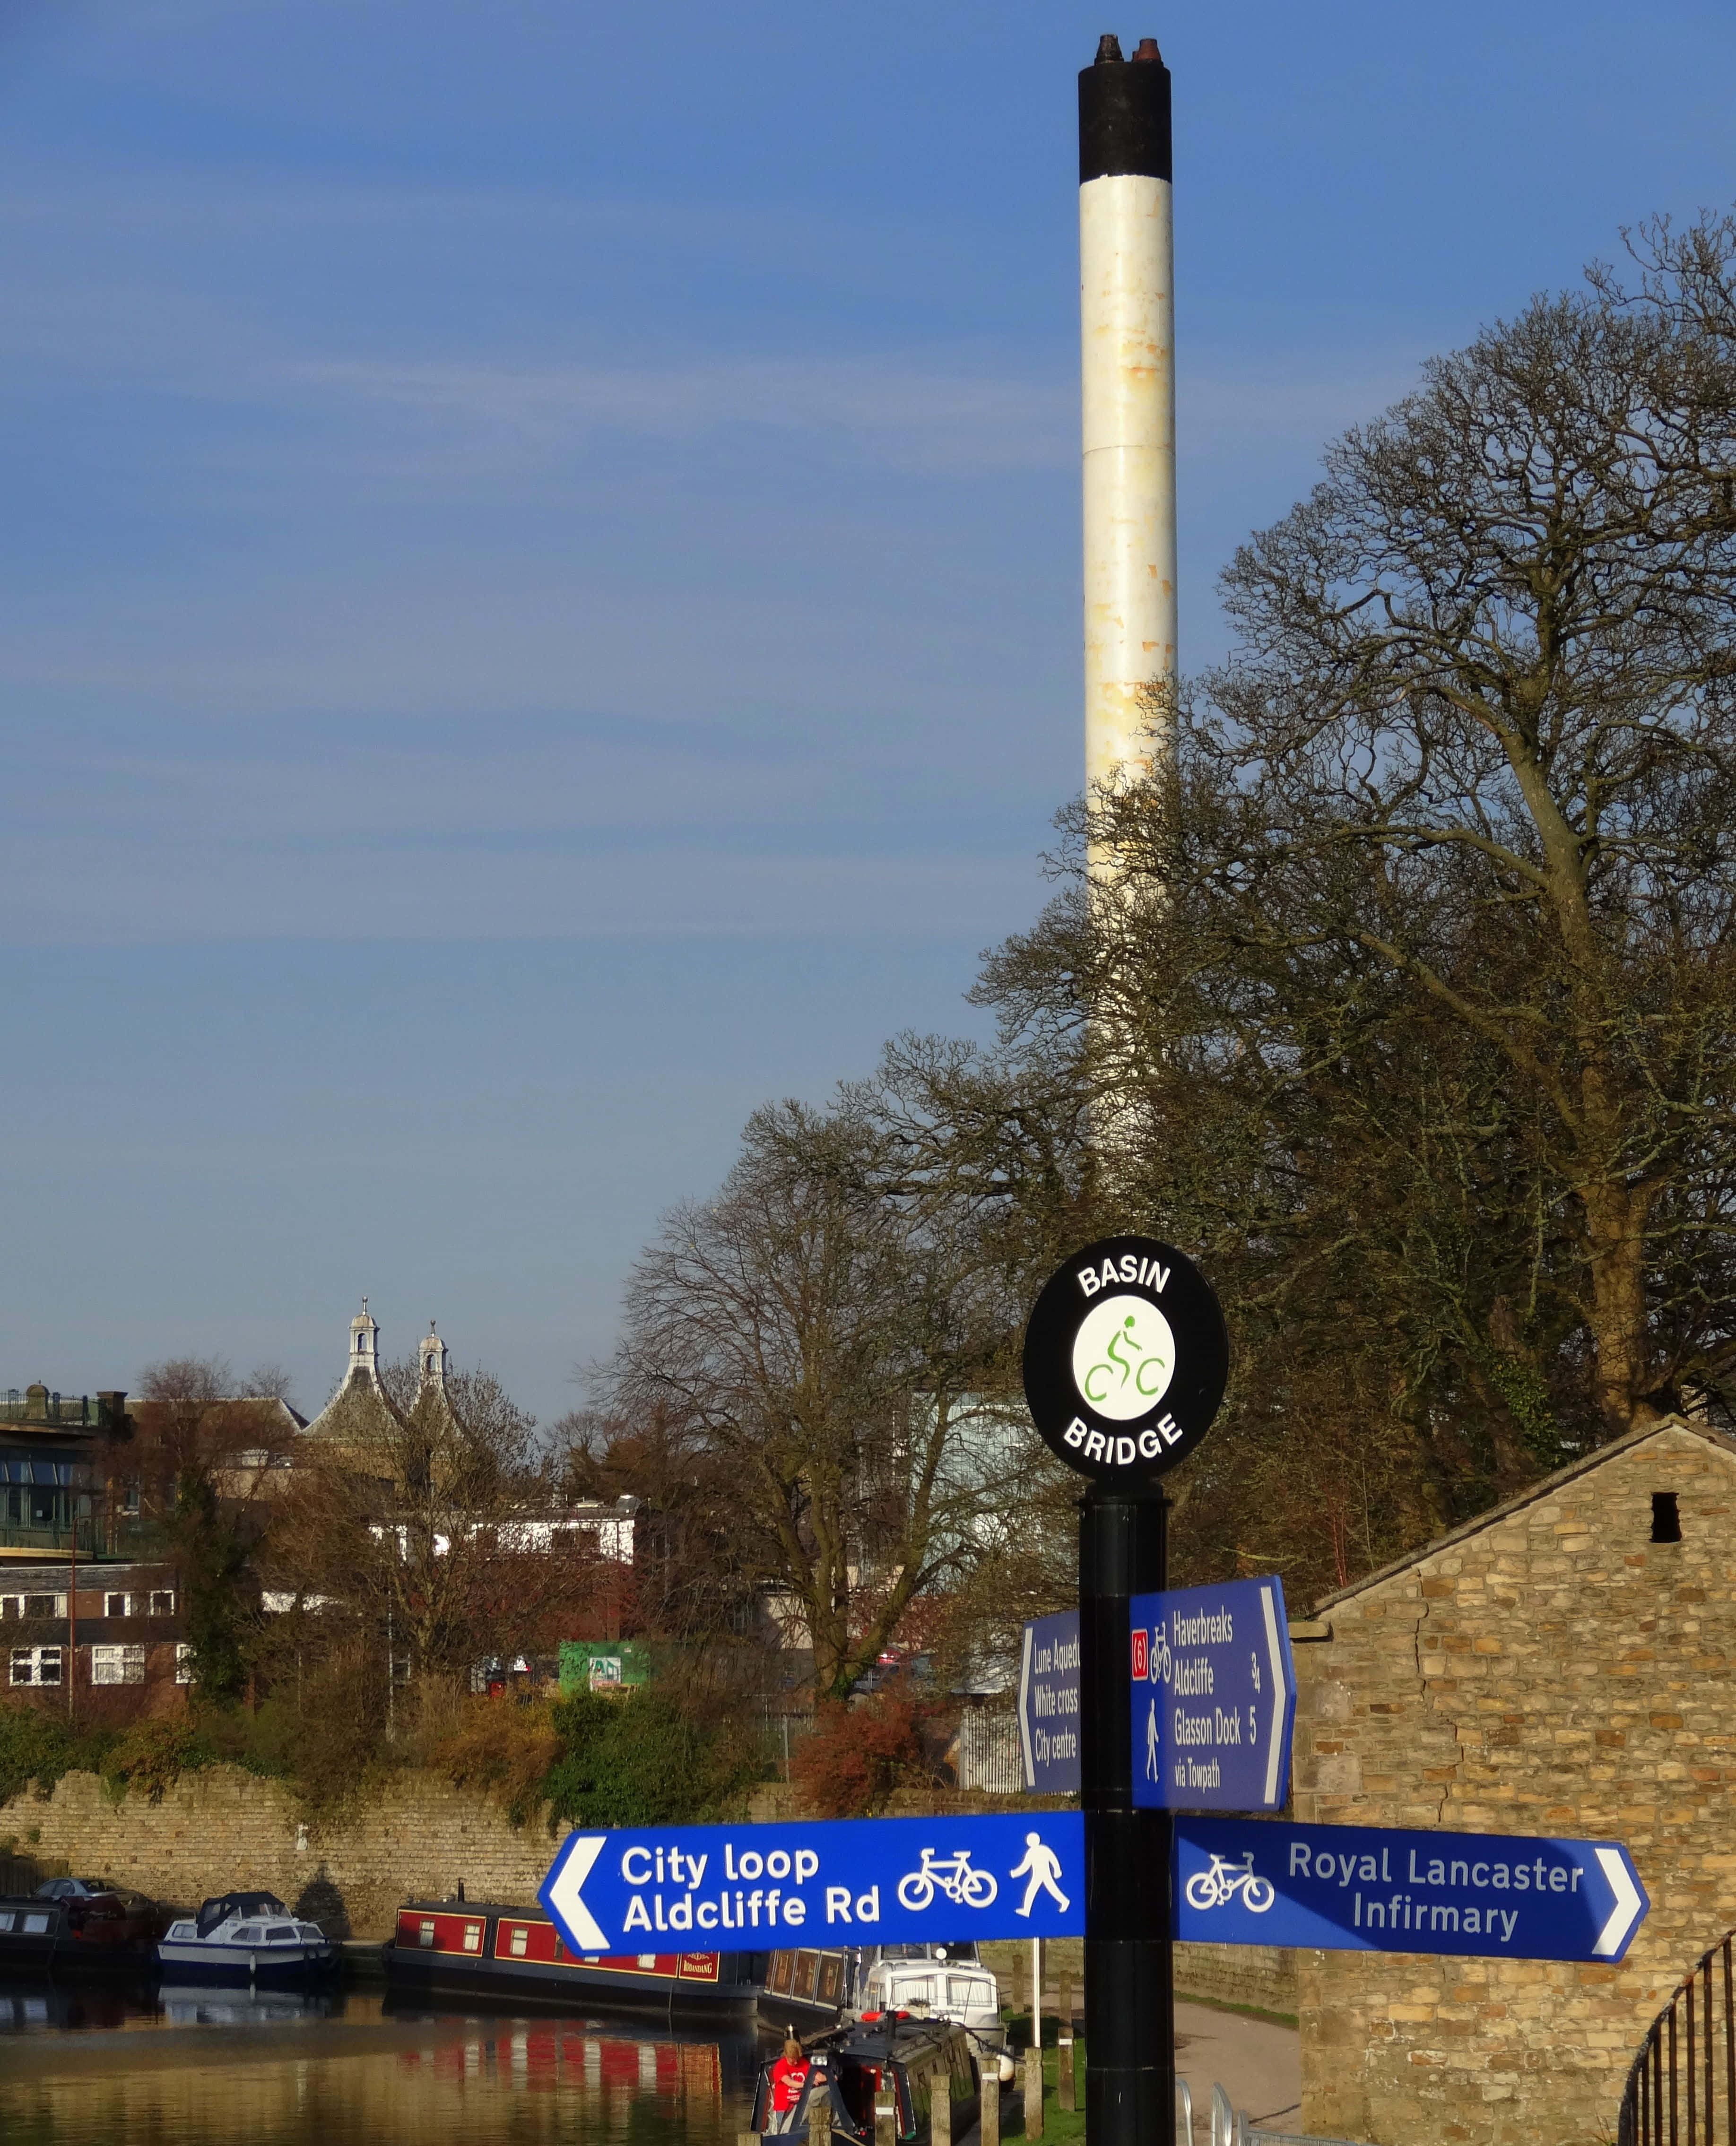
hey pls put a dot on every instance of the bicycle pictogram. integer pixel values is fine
(1211, 1887)
(1111, 1374)
(1158, 1658)
(953, 1875)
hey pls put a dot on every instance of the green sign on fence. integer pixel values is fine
(602, 1665)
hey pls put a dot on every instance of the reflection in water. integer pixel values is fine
(205, 2069)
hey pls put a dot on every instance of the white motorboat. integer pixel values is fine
(248, 1938)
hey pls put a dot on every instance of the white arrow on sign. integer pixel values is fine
(1277, 1708)
(564, 1888)
(1628, 1909)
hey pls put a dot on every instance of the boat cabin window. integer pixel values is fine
(472, 1937)
(521, 1940)
(281, 1934)
(312, 1933)
(5, 1918)
(181, 1930)
(426, 1936)
(249, 1934)
(32, 1924)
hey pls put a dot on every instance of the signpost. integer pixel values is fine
(1125, 1362)
(1150, 1698)
(1378, 1889)
(1214, 1697)
(1019, 1874)
(850, 1881)
(1048, 1703)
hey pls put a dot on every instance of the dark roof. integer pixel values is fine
(220, 1909)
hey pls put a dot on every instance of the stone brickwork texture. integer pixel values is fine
(1264, 1976)
(221, 1829)
(1549, 1670)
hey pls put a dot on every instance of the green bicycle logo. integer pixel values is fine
(1124, 1357)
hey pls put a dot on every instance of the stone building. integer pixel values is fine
(1565, 1664)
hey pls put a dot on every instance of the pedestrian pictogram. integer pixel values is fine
(854, 1881)
(1213, 1702)
(1044, 1867)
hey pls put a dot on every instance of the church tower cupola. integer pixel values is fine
(433, 1362)
(364, 1350)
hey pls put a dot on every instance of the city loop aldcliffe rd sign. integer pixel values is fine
(1125, 1360)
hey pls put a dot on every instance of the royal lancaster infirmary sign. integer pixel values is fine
(1125, 1359)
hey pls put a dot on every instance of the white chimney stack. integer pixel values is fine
(1127, 325)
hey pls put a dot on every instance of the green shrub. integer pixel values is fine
(640, 1759)
(152, 1754)
(38, 1746)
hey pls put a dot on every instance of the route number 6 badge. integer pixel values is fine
(1125, 1359)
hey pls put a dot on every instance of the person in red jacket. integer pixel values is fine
(789, 2075)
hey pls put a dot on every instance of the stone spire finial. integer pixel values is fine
(433, 1360)
(364, 1347)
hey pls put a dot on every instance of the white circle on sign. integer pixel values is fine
(1124, 1357)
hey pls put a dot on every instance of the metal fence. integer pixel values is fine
(1681, 2089)
(987, 1753)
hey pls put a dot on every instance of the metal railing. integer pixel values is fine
(70, 1411)
(54, 1538)
(1234, 2127)
(1682, 2089)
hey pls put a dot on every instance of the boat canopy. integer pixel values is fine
(217, 1911)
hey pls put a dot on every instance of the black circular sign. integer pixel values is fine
(1126, 1358)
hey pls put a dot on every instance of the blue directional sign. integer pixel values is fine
(1372, 1889)
(852, 1881)
(1214, 1697)
(1048, 1703)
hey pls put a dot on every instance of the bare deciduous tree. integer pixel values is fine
(831, 1347)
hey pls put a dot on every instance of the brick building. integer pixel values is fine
(1566, 1663)
(124, 1635)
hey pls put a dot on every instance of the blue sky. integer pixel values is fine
(541, 574)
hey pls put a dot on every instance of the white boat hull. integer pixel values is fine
(261, 1966)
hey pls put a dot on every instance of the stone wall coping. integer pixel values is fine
(1545, 1487)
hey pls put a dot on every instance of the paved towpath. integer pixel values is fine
(1257, 2061)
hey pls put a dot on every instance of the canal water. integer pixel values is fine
(97, 2068)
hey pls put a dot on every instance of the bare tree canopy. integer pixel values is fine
(1411, 1006)
(829, 1345)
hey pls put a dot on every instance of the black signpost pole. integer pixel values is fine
(1130, 2018)
(1125, 1362)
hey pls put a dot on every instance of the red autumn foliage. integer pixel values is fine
(858, 1757)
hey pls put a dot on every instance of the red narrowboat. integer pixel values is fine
(480, 1946)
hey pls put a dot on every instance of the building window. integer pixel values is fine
(116, 1605)
(116, 1665)
(129, 1500)
(36, 1665)
(45, 1605)
(183, 1662)
(1666, 1517)
(163, 1602)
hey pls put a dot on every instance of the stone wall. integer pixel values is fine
(1550, 1670)
(222, 1828)
(1264, 1976)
